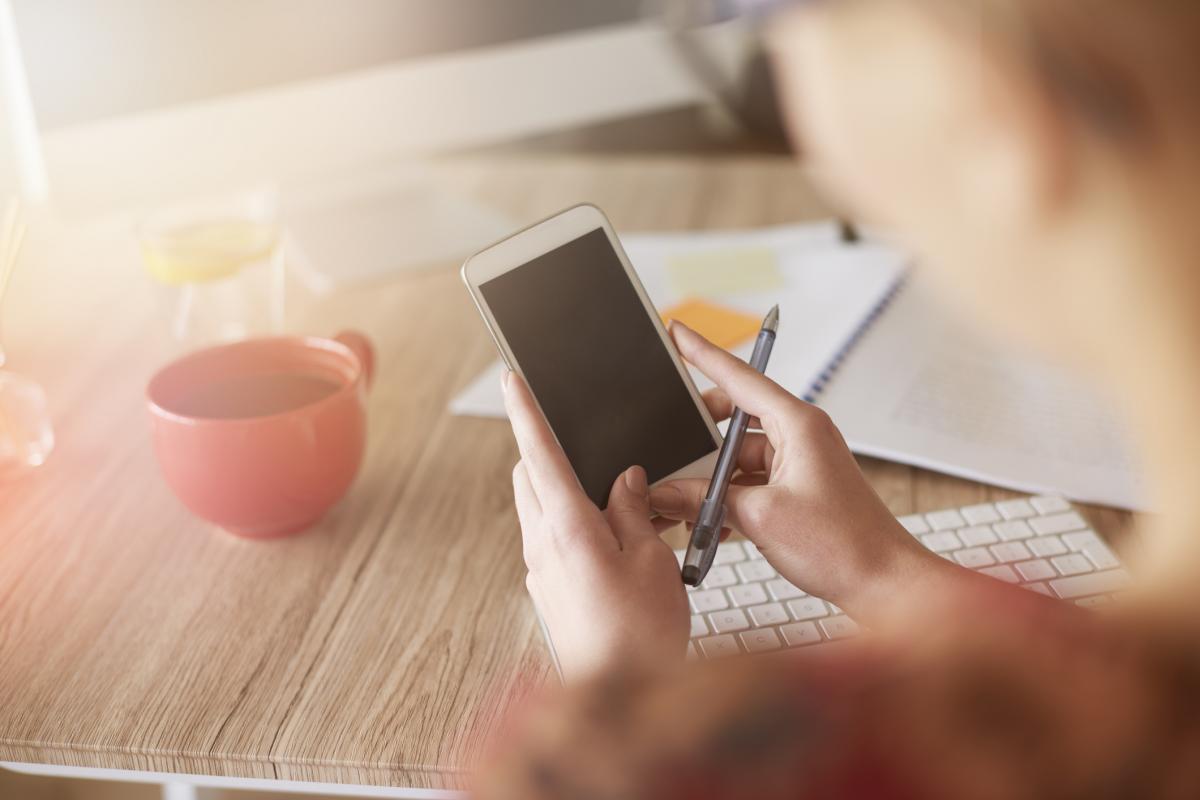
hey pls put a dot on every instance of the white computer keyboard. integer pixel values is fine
(1040, 543)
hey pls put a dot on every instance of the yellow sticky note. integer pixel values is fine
(722, 326)
(710, 273)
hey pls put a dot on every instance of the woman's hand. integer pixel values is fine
(607, 588)
(812, 513)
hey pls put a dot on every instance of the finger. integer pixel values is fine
(550, 473)
(681, 499)
(757, 453)
(720, 407)
(529, 511)
(628, 508)
(663, 524)
(746, 388)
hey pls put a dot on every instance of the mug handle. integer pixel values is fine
(360, 345)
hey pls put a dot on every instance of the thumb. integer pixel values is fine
(628, 508)
(681, 500)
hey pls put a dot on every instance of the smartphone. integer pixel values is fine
(570, 316)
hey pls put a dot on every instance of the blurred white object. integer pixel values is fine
(21, 161)
(26, 436)
(366, 230)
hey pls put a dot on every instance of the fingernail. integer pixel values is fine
(666, 500)
(635, 479)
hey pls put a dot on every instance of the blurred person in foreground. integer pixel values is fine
(1042, 157)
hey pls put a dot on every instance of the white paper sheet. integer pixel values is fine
(829, 289)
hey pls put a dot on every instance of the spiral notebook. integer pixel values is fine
(905, 376)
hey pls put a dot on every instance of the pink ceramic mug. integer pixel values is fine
(263, 436)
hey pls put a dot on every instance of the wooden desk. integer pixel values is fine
(382, 646)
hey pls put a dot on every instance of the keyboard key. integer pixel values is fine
(981, 514)
(1072, 564)
(761, 640)
(719, 646)
(782, 590)
(1058, 523)
(1013, 529)
(1015, 509)
(1040, 588)
(768, 614)
(807, 608)
(710, 600)
(728, 553)
(832, 608)
(699, 628)
(752, 551)
(747, 594)
(1010, 551)
(1101, 556)
(1079, 540)
(839, 627)
(1090, 583)
(1093, 601)
(945, 520)
(914, 524)
(1046, 546)
(1003, 572)
(1036, 570)
(800, 633)
(1049, 504)
(752, 571)
(941, 542)
(974, 557)
(719, 577)
(977, 535)
(728, 621)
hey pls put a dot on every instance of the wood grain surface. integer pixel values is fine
(380, 647)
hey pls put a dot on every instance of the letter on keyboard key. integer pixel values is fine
(1015, 509)
(914, 524)
(1058, 523)
(807, 608)
(782, 590)
(728, 621)
(752, 571)
(728, 553)
(1036, 570)
(760, 640)
(710, 600)
(748, 594)
(1013, 529)
(1010, 551)
(974, 557)
(945, 520)
(768, 614)
(839, 627)
(981, 514)
(1046, 546)
(977, 535)
(1071, 564)
(800, 633)
(941, 542)
(719, 646)
(1049, 504)
(719, 577)
(699, 628)
(1003, 572)
(1090, 583)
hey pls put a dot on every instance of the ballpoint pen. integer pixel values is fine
(706, 534)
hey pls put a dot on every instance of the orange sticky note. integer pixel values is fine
(722, 326)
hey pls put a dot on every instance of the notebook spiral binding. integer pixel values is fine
(822, 380)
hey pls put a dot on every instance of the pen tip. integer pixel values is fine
(691, 575)
(771, 323)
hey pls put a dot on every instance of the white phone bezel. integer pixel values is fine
(542, 237)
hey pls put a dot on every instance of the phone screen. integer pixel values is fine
(596, 364)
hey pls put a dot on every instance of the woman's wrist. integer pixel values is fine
(888, 578)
